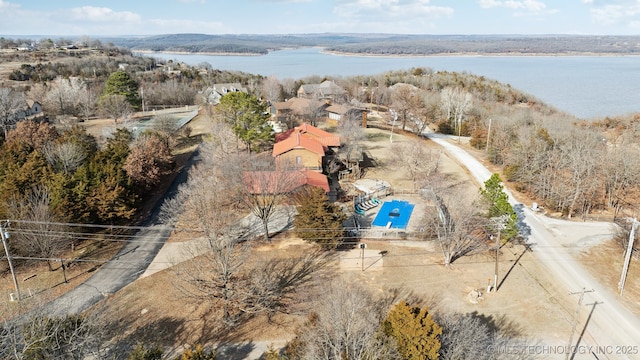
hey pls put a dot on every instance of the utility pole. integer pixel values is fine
(495, 276)
(627, 258)
(499, 223)
(142, 96)
(488, 134)
(4, 236)
(575, 319)
(363, 246)
(395, 117)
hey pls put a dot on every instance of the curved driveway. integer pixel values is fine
(126, 266)
(611, 323)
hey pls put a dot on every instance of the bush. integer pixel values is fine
(197, 354)
(141, 352)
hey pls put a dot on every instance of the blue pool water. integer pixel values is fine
(394, 214)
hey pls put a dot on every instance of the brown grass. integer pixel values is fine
(153, 310)
(605, 263)
(36, 282)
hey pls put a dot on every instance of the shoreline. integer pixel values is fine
(476, 54)
(146, 52)
(352, 54)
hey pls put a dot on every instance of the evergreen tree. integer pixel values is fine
(498, 202)
(142, 352)
(197, 354)
(248, 117)
(319, 220)
(415, 333)
(121, 83)
(112, 195)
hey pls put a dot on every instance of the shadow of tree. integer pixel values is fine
(523, 227)
(154, 334)
(499, 325)
(237, 351)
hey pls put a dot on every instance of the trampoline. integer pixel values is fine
(394, 214)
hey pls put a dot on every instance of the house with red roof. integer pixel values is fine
(327, 139)
(278, 182)
(299, 150)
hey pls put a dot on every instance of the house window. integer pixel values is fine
(298, 160)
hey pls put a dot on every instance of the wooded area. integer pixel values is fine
(370, 44)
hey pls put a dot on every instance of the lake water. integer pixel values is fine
(585, 86)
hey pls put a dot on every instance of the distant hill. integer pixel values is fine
(386, 44)
(255, 44)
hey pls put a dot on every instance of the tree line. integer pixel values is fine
(374, 44)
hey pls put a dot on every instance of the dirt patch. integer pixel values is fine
(37, 283)
(154, 310)
(605, 262)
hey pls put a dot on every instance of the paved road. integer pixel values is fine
(124, 268)
(611, 323)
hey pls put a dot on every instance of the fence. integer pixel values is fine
(385, 234)
(148, 108)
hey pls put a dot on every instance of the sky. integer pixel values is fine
(438, 17)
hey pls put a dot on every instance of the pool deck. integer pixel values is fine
(416, 216)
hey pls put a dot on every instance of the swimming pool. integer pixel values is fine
(394, 214)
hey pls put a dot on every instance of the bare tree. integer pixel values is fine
(345, 325)
(352, 135)
(289, 87)
(457, 226)
(170, 92)
(407, 102)
(271, 89)
(425, 112)
(266, 187)
(36, 335)
(86, 103)
(580, 152)
(313, 112)
(39, 234)
(65, 94)
(455, 103)
(65, 157)
(116, 107)
(419, 161)
(222, 270)
(205, 204)
(621, 172)
(11, 103)
(468, 336)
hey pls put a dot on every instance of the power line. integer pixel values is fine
(4, 236)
